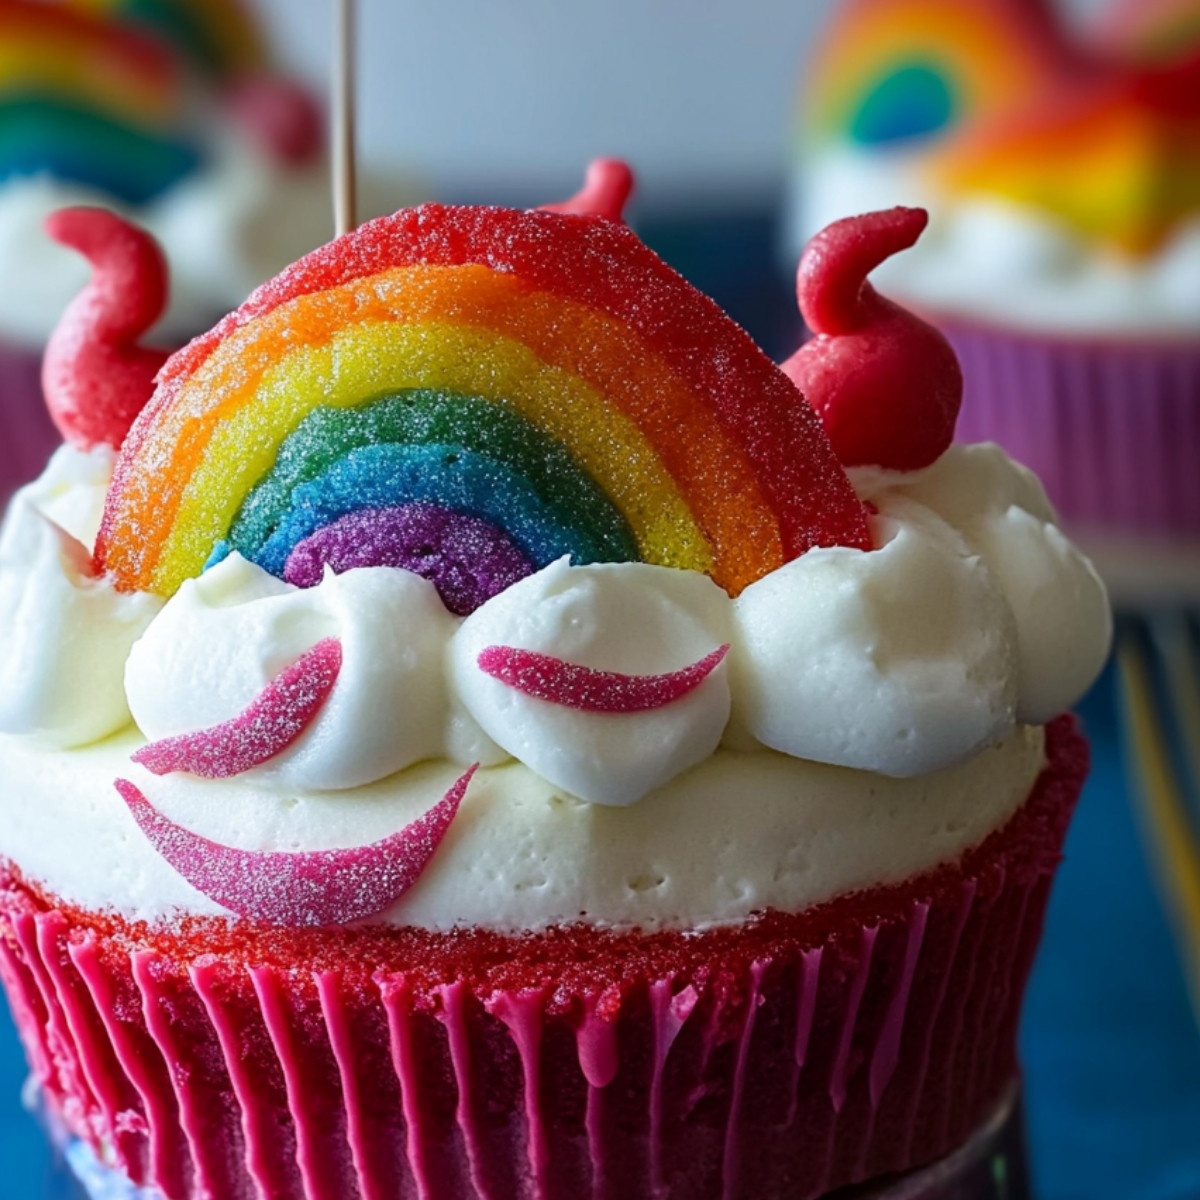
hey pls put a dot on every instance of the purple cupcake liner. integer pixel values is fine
(1111, 428)
(27, 435)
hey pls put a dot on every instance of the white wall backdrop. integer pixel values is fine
(508, 98)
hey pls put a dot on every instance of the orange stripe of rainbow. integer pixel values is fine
(250, 393)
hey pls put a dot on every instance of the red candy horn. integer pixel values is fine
(95, 376)
(279, 115)
(886, 385)
(606, 188)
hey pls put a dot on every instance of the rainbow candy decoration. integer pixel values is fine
(472, 393)
(899, 71)
(218, 36)
(83, 100)
(1118, 160)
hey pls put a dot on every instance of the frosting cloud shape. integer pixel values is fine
(973, 614)
(224, 636)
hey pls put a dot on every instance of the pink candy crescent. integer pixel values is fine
(280, 713)
(319, 887)
(573, 686)
(95, 375)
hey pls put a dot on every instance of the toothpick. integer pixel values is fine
(343, 161)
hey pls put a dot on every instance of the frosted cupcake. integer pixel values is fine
(1064, 258)
(168, 112)
(517, 758)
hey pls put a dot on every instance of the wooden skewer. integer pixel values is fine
(343, 158)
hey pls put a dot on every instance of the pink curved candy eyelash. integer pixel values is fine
(546, 678)
(276, 717)
(320, 887)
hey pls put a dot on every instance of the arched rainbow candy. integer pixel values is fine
(892, 71)
(219, 36)
(472, 393)
(89, 102)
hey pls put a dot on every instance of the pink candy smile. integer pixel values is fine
(320, 887)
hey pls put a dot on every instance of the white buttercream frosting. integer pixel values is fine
(973, 614)
(1060, 608)
(630, 618)
(67, 633)
(224, 636)
(736, 834)
(225, 228)
(993, 260)
(898, 660)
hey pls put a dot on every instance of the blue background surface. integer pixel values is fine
(1110, 1048)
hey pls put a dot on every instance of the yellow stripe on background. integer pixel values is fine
(1172, 840)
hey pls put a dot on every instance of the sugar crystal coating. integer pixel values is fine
(95, 375)
(469, 560)
(272, 722)
(573, 686)
(319, 887)
(570, 389)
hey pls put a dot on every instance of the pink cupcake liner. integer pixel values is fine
(27, 435)
(1111, 428)
(785, 1058)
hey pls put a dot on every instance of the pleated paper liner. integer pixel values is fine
(1112, 428)
(787, 1057)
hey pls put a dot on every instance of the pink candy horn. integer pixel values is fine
(886, 385)
(606, 188)
(279, 115)
(95, 375)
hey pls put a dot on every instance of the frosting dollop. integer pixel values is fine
(628, 618)
(1062, 617)
(897, 660)
(66, 631)
(973, 614)
(224, 636)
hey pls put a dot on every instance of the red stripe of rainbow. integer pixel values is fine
(220, 35)
(570, 320)
(47, 48)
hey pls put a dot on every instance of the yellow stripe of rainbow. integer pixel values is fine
(73, 71)
(584, 377)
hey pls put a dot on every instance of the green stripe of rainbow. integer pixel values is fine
(703, 448)
(428, 418)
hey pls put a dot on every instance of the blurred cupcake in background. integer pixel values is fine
(165, 110)
(1063, 256)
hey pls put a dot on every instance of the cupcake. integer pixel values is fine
(1064, 255)
(477, 739)
(168, 112)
